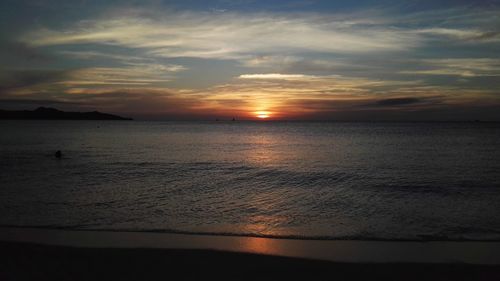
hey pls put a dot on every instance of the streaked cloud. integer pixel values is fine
(398, 101)
(277, 76)
(465, 67)
(466, 35)
(115, 76)
(228, 35)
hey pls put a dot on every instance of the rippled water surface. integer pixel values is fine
(311, 180)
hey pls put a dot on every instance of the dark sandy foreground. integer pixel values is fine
(26, 261)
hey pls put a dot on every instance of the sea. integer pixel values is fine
(301, 180)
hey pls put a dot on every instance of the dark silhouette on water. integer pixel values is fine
(233, 119)
(54, 114)
(58, 154)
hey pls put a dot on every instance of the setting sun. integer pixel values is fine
(262, 114)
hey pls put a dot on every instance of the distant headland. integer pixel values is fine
(46, 113)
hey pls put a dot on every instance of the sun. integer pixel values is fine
(262, 114)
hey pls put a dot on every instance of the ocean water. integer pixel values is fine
(393, 181)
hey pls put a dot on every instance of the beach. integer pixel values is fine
(48, 254)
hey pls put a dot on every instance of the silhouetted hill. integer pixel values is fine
(54, 114)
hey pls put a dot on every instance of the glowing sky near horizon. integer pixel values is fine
(306, 59)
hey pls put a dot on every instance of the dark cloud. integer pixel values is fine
(134, 101)
(406, 102)
(485, 36)
(398, 101)
(400, 108)
(318, 105)
(26, 78)
(443, 112)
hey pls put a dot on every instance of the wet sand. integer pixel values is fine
(38, 254)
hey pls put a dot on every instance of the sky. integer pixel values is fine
(248, 59)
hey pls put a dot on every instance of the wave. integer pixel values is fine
(417, 238)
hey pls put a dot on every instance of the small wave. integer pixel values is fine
(417, 238)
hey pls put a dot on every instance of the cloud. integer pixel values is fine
(268, 61)
(465, 67)
(118, 100)
(453, 72)
(320, 65)
(398, 101)
(277, 76)
(467, 35)
(289, 95)
(287, 99)
(46, 82)
(116, 76)
(466, 24)
(18, 79)
(227, 35)
(96, 55)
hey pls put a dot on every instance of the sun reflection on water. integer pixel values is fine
(260, 245)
